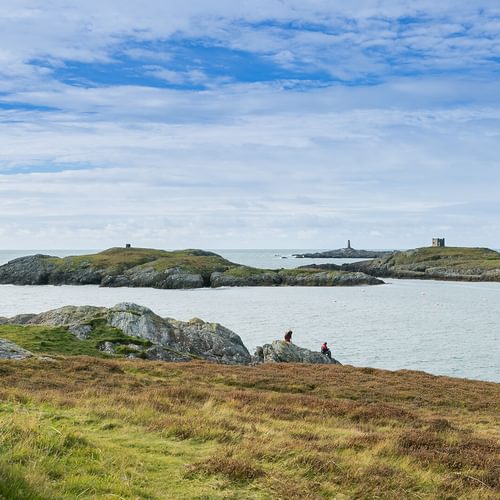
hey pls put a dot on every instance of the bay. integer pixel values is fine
(445, 328)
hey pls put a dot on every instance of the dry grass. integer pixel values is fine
(273, 431)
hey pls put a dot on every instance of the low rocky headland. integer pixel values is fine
(344, 253)
(142, 267)
(437, 263)
(133, 331)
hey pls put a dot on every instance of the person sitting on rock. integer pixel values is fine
(326, 351)
(288, 336)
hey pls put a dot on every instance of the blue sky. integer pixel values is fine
(222, 124)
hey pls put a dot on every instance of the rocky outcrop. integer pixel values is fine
(249, 278)
(169, 339)
(119, 267)
(9, 350)
(437, 263)
(287, 352)
(327, 278)
(344, 253)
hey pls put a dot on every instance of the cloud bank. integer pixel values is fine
(249, 124)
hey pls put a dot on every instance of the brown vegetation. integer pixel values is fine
(277, 430)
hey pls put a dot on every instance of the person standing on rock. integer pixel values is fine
(326, 351)
(288, 336)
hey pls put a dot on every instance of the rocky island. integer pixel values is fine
(144, 267)
(344, 253)
(438, 263)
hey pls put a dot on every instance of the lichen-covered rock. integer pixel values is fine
(269, 278)
(67, 315)
(287, 352)
(9, 350)
(139, 321)
(210, 341)
(196, 337)
(30, 270)
(327, 278)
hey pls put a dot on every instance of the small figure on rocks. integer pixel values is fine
(288, 336)
(326, 351)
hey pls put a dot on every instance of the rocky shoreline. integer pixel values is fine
(344, 253)
(134, 331)
(131, 267)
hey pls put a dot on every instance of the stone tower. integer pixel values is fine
(348, 243)
(438, 242)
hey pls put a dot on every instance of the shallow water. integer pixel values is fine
(446, 328)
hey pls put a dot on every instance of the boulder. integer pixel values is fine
(287, 352)
(9, 350)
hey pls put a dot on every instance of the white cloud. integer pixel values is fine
(284, 163)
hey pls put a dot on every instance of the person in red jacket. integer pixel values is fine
(326, 351)
(288, 336)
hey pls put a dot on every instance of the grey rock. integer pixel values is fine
(9, 350)
(108, 348)
(139, 321)
(172, 278)
(328, 278)
(80, 330)
(71, 316)
(30, 270)
(159, 353)
(280, 351)
(269, 278)
(195, 338)
(210, 341)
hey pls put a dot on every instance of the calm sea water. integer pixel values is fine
(445, 328)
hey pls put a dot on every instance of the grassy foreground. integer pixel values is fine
(82, 427)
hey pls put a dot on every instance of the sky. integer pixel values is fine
(249, 124)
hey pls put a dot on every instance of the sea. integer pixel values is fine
(441, 327)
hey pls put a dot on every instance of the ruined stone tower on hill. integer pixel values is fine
(438, 242)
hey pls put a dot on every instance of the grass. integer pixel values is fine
(452, 257)
(58, 340)
(101, 428)
(117, 260)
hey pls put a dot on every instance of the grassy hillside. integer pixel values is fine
(116, 260)
(97, 428)
(452, 257)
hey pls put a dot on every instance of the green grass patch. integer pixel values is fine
(117, 260)
(246, 272)
(58, 340)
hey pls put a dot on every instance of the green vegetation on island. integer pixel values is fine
(82, 427)
(443, 263)
(143, 267)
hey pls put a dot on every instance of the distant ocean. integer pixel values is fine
(445, 328)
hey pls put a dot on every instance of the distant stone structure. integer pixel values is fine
(438, 242)
(348, 243)
(127, 245)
